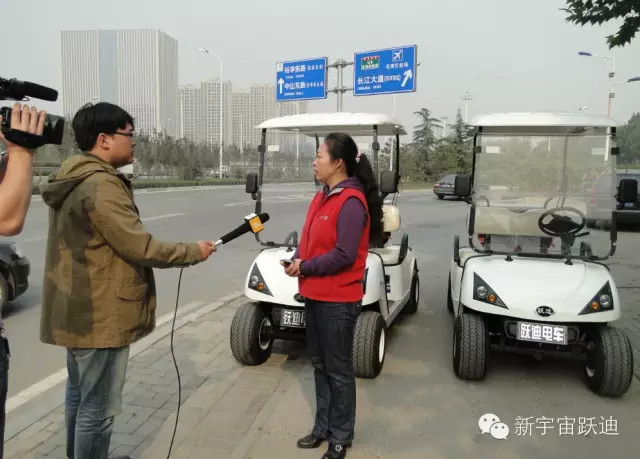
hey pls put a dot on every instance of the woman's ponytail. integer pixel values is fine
(342, 146)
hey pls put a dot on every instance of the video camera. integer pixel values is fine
(21, 91)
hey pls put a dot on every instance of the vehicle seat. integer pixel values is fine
(391, 223)
(502, 221)
(390, 218)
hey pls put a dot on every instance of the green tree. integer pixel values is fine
(584, 12)
(461, 145)
(425, 140)
(629, 141)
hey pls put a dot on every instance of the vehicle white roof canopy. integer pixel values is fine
(563, 122)
(324, 123)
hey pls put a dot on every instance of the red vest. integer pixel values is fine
(319, 236)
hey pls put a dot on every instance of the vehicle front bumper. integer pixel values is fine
(448, 191)
(628, 216)
(20, 269)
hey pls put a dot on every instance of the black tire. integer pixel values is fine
(414, 295)
(470, 347)
(4, 292)
(440, 196)
(249, 345)
(449, 297)
(369, 340)
(609, 367)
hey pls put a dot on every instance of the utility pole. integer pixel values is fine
(340, 89)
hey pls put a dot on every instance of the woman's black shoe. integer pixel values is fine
(310, 441)
(335, 452)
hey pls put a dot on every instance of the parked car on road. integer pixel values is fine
(598, 207)
(444, 186)
(14, 273)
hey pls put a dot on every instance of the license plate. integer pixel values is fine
(542, 333)
(292, 318)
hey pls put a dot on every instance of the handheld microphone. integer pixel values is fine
(252, 223)
(18, 90)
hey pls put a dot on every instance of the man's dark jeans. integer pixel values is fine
(329, 335)
(4, 384)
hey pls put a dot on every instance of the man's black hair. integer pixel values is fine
(101, 118)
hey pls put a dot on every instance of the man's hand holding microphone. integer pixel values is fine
(206, 249)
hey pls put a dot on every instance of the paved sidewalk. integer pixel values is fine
(210, 379)
(231, 411)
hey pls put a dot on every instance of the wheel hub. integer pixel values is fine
(264, 334)
(381, 346)
(589, 366)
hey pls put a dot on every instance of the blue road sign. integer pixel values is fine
(301, 80)
(385, 71)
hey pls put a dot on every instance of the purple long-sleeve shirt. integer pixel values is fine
(351, 223)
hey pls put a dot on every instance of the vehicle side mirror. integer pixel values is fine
(628, 191)
(462, 186)
(389, 182)
(251, 185)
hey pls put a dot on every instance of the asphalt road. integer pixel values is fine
(418, 378)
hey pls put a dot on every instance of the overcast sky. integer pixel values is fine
(511, 55)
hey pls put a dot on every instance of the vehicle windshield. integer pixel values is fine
(288, 181)
(519, 178)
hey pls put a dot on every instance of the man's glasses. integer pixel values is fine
(127, 134)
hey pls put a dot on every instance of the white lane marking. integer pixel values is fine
(160, 217)
(145, 191)
(273, 200)
(146, 219)
(59, 376)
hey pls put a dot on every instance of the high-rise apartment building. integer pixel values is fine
(136, 69)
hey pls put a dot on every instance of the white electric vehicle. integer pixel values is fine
(275, 308)
(532, 278)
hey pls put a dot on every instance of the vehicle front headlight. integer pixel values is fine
(605, 300)
(256, 281)
(601, 301)
(482, 292)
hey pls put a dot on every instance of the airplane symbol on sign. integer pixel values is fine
(397, 55)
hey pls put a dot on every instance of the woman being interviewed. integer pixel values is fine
(342, 220)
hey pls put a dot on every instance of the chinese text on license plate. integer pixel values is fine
(292, 318)
(541, 333)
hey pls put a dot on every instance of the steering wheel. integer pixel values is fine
(546, 203)
(561, 225)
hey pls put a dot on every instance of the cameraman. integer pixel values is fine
(16, 170)
(15, 195)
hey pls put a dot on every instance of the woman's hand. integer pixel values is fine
(293, 269)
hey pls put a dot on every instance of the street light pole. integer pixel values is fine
(611, 75)
(466, 97)
(444, 124)
(205, 51)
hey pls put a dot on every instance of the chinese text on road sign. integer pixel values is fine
(385, 71)
(301, 80)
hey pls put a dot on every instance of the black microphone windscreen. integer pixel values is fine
(242, 229)
(239, 231)
(36, 90)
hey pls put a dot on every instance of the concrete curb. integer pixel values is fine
(53, 397)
